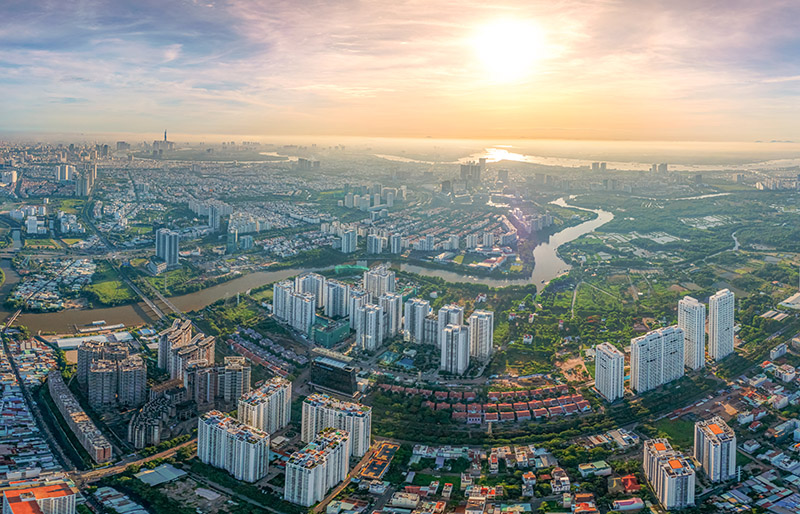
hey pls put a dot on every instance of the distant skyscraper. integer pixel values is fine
(167, 246)
(715, 449)
(455, 349)
(656, 358)
(481, 335)
(609, 376)
(720, 324)
(395, 243)
(692, 320)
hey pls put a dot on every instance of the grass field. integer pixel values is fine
(680, 432)
(71, 206)
(107, 289)
(70, 241)
(40, 243)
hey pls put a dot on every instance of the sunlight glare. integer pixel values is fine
(509, 49)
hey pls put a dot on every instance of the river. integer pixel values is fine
(548, 265)
(64, 321)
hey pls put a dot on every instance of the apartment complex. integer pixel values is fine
(670, 474)
(656, 358)
(86, 432)
(321, 411)
(268, 408)
(715, 448)
(177, 348)
(225, 443)
(322, 464)
(721, 307)
(217, 386)
(609, 376)
(692, 320)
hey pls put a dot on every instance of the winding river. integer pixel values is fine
(548, 265)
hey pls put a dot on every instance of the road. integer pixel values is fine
(87, 477)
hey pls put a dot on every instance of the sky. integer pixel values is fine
(679, 70)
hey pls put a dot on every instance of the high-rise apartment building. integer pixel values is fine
(177, 348)
(455, 349)
(167, 244)
(395, 243)
(481, 335)
(349, 241)
(692, 320)
(609, 375)
(225, 443)
(449, 315)
(670, 474)
(321, 411)
(312, 283)
(268, 408)
(392, 306)
(216, 386)
(656, 358)
(378, 281)
(721, 307)
(416, 311)
(375, 244)
(369, 327)
(321, 465)
(294, 307)
(337, 299)
(715, 449)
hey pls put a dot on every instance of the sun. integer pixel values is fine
(509, 49)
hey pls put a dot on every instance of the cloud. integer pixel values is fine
(609, 68)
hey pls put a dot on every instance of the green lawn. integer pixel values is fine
(106, 287)
(679, 431)
(40, 243)
(111, 292)
(70, 241)
(71, 206)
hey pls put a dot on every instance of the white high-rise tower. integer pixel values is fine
(720, 324)
(692, 319)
